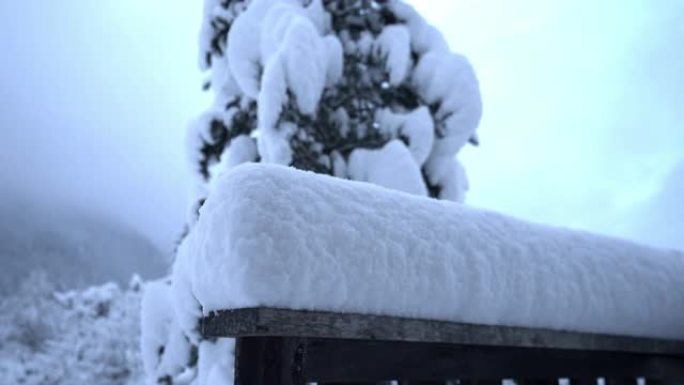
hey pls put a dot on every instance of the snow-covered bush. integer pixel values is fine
(27, 315)
(166, 351)
(76, 337)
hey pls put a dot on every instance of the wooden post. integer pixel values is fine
(268, 361)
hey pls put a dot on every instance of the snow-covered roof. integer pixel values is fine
(275, 236)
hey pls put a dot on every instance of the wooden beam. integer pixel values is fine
(327, 360)
(298, 323)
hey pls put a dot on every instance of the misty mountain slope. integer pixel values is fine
(73, 247)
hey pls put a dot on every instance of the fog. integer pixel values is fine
(583, 123)
(95, 100)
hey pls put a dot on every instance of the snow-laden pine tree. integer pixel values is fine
(359, 89)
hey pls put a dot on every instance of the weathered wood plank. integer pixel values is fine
(297, 323)
(353, 361)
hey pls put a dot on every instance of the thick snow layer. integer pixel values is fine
(216, 365)
(288, 33)
(391, 166)
(241, 149)
(454, 182)
(424, 37)
(394, 46)
(155, 323)
(164, 348)
(416, 127)
(222, 79)
(280, 33)
(448, 80)
(275, 236)
(297, 60)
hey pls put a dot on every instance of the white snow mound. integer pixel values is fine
(275, 236)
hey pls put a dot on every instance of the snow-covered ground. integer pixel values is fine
(89, 336)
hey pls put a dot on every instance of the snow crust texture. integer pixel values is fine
(275, 236)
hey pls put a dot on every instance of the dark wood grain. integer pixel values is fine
(334, 360)
(268, 360)
(297, 323)
(583, 381)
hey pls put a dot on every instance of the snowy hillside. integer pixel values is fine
(74, 248)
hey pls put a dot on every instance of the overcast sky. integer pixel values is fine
(583, 108)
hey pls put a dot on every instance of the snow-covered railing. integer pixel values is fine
(278, 346)
(383, 285)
